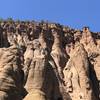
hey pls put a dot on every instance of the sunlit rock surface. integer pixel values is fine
(48, 61)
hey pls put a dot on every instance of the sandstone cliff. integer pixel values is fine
(48, 61)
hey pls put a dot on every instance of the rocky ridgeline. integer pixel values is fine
(48, 61)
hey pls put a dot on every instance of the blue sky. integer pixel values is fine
(74, 13)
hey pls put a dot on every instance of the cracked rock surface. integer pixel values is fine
(48, 61)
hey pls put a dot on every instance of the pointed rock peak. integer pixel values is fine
(86, 29)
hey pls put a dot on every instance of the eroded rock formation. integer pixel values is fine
(48, 61)
(11, 74)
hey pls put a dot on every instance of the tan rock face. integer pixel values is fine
(48, 61)
(11, 74)
(36, 95)
(76, 75)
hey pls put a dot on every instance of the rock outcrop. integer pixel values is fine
(77, 80)
(48, 61)
(11, 74)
